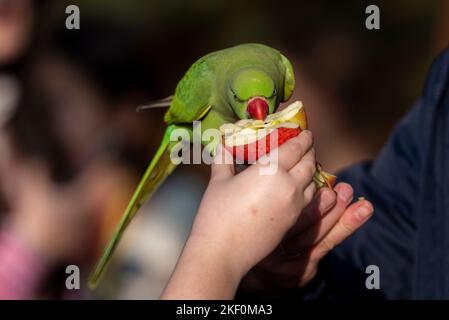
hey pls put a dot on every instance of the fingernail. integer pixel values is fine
(326, 201)
(363, 212)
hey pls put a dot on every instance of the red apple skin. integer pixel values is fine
(250, 152)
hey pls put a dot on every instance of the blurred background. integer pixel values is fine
(72, 147)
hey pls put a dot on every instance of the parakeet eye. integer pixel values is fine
(236, 97)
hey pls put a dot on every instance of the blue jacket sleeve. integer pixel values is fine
(400, 183)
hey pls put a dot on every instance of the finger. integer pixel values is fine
(309, 192)
(353, 218)
(289, 154)
(308, 238)
(304, 170)
(223, 166)
(321, 204)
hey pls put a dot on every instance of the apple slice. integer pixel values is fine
(249, 139)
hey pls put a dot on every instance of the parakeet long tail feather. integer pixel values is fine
(159, 169)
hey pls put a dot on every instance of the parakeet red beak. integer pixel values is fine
(257, 108)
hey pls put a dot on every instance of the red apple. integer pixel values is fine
(248, 140)
(249, 153)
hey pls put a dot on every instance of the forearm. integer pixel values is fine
(202, 272)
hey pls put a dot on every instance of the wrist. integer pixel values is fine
(230, 243)
(216, 255)
(203, 272)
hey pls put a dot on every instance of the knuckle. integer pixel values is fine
(310, 167)
(290, 190)
(327, 245)
(307, 138)
(306, 170)
(308, 196)
(295, 147)
(316, 255)
(346, 227)
(280, 178)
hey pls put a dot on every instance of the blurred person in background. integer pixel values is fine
(16, 20)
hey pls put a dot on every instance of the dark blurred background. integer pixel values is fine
(72, 147)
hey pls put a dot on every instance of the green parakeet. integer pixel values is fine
(245, 81)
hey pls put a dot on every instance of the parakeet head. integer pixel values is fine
(252, 94)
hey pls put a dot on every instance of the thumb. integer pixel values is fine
(223, 165)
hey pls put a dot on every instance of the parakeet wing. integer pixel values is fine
(193, 93)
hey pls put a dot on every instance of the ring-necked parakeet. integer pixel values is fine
(245, 81)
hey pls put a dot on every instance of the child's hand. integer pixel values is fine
(242, 219)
